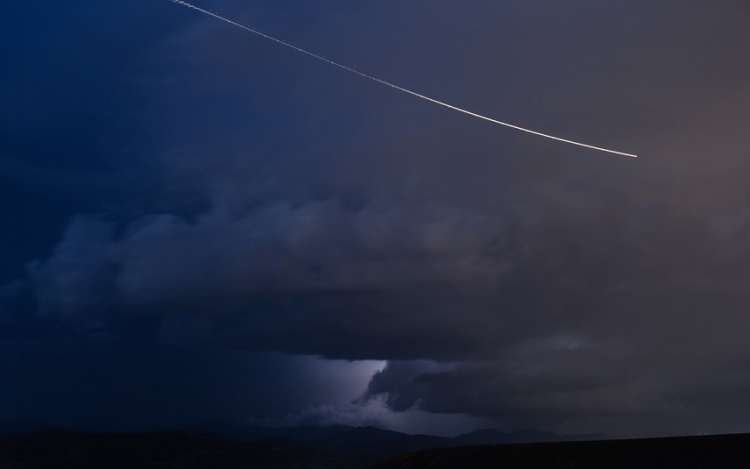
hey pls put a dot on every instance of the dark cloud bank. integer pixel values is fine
(208, 213)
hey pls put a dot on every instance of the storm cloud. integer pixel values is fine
(266, 204)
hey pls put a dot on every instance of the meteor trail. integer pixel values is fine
(413, 93)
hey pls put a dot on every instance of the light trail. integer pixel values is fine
(413, 93)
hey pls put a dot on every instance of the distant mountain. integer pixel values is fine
(495, 437)
(22, 426)
(348, 435)
(252, 432)
(485, 436)
(356, 436)
(218, 445)
(337, 435)
(310, 433)
(363, 444)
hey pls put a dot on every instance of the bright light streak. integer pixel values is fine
(413, 93)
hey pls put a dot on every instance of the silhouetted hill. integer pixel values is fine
(22, 426)
(252, 432)
(494, 437)
(718, 451)
(356, 436)
(484, 436)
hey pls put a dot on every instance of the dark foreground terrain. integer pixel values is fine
(314, 447)
(23, 444)
(719, 451)
(358, 448)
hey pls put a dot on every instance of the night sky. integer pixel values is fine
(200, 225)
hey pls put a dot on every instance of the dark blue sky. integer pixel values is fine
(200, 225)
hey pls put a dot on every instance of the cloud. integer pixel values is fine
(12, 290)
(500, 276)
(544, 383)
(327, 415)
(321, 245)
(75, 277)
(375, 413)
